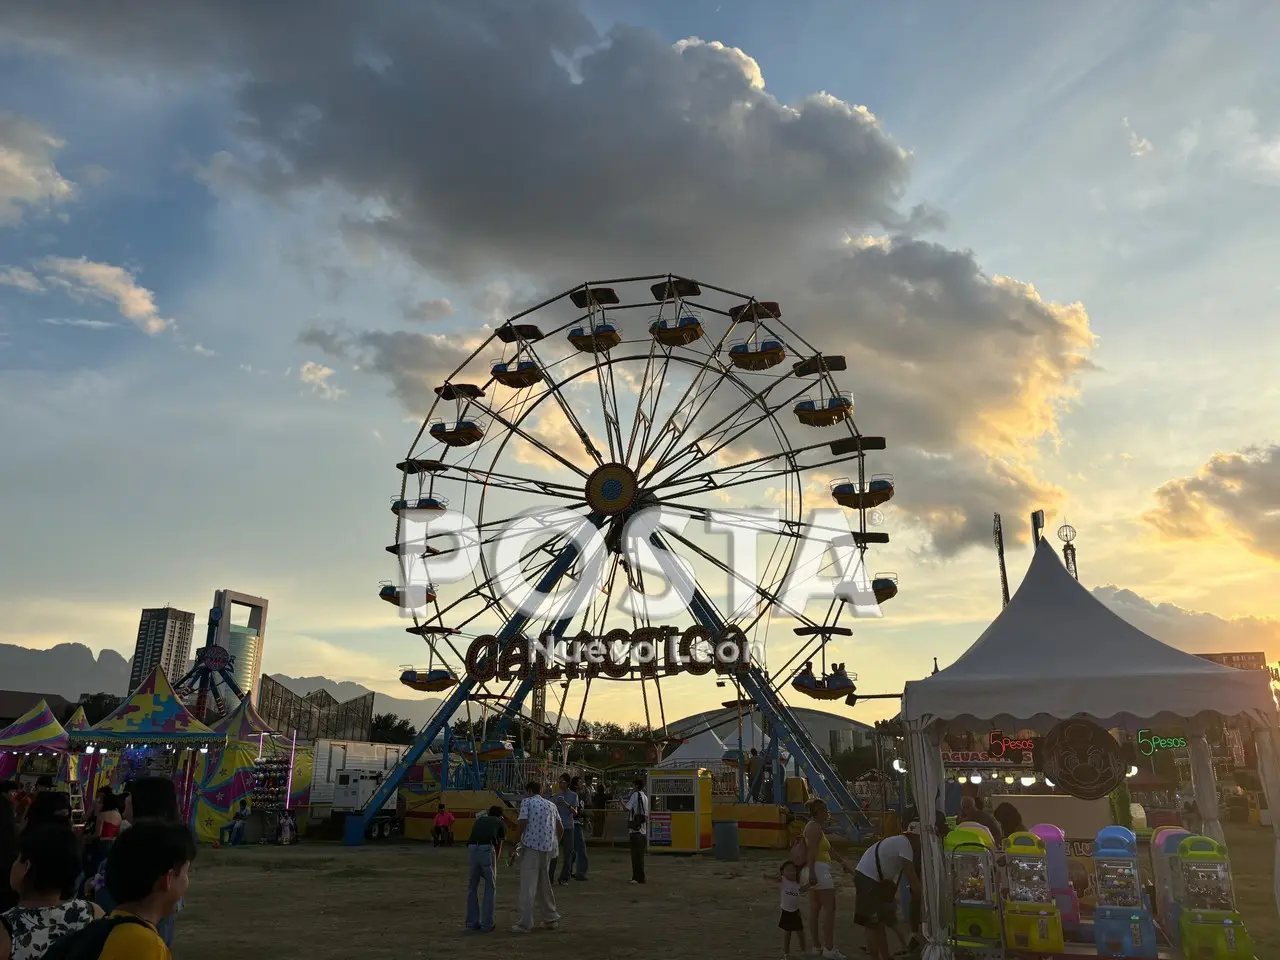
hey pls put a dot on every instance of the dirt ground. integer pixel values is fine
(327, 902)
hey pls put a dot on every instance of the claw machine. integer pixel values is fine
(1031, 918)
(1166, 869)
(1060, 885)
(971, 861)
(1211, 928)
(679, 811)
(1122, 925)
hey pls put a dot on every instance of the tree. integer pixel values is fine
(97, 706)
(389, 728)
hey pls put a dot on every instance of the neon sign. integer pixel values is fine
(998, 745)
(1149, 744)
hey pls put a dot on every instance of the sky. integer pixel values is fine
(239, 243)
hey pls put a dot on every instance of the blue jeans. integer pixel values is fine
(231, 833)
(480, 867)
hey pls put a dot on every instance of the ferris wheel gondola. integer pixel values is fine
(693, 415)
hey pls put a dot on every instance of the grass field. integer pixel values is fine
(327, 902)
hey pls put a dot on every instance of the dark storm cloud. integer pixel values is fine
(507, 145)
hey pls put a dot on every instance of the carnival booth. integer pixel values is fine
(34, 744)
(251, 764)
(680, 811)
(151, 734)
(1057, 661)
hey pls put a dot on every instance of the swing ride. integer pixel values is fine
(688, 412)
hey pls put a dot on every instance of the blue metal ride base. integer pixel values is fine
(353, 830)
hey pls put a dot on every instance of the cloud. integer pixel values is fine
(85, 279)
(318, 375)
(628, 155)
(1138, 146)
(1194, 631)
(1234, 494)
(20, 278)
(1250, 154)
(29, 180)
(204, 351)
(429, 311)
(78, 322)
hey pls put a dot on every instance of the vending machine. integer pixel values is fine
(1211, 928)
(1031, 918)
(679, 811)
(1064, 892)
(971, 860)
(1166, 870)
(1122, 925)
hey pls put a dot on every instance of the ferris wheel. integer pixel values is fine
(622, 429)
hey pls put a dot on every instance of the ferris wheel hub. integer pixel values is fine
(611, 489)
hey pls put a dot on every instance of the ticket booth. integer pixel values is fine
(679, 811)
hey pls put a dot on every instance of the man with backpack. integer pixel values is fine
(637, 829)
(876, 886)
(147, 874)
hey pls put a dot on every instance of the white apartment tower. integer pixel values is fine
(164, 638)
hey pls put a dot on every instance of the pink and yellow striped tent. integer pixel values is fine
(37, 729)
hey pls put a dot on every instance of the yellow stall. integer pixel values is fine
(679, 811)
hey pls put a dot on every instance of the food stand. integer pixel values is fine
(1055, 656)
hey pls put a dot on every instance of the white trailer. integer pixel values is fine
(333, 757)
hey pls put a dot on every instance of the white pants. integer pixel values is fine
(822, 878)
(535, 887)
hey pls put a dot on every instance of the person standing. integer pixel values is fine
(637, 829)
(567, 806)
(754, 780)
(822, 885)
(8, 845)
(538, 831)
(971, 812)
(483, 850)
(46, 866)
(579, 831)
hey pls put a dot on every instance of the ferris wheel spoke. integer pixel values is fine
(726, 424)
(733, 427)
(758, 468)
(760, 590)
(673, 431)
(647, 400)
(525, 435)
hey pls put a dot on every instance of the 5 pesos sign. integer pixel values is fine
(1003, 749)
(618, 654)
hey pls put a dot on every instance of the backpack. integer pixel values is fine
(87, 943)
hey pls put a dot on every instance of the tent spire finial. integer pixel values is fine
(935, 666)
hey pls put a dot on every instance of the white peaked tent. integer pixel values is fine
(1054, 653)
(699, 748)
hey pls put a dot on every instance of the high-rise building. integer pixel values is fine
(1241, 661)
(243, 635)
(164, 638)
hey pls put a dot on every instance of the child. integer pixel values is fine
(790, 922)
(442, 832)
(147, 874)
(47, 862)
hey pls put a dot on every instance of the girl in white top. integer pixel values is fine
(789, 895)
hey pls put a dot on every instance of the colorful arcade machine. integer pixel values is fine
(1031, 918)
(971, 858)
(1166, 870)
(1122, 925)
(1064, 892)
(1211, 928)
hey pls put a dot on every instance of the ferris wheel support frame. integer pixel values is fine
(353, 829)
